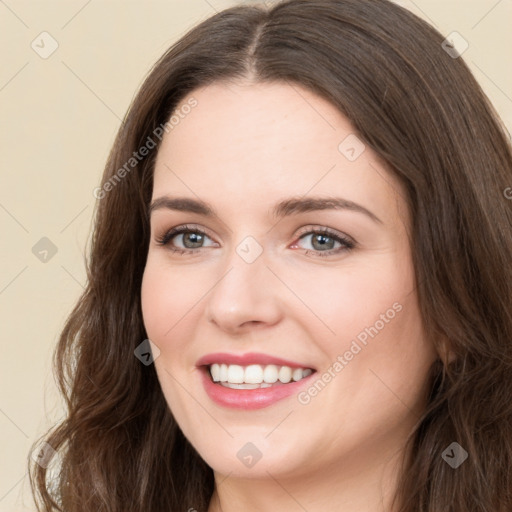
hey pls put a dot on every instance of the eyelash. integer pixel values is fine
(348, 243)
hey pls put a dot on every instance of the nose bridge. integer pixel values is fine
(247, 290)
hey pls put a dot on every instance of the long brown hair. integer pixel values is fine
(422, 111)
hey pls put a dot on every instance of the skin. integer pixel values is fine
(244, 148)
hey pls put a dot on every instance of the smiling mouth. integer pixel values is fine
(255, 376)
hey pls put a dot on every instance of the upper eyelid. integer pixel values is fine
(302, 231)
(180, 230)
(188, 227)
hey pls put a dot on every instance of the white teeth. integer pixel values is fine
(285, 374)
(235, 374)
(271, 373)
(297, 374)
(245, 386)
(215, 372)
(223, 374)
(255, 375)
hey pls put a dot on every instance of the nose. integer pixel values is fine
(247, 296)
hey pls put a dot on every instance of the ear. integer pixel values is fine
(446, 355)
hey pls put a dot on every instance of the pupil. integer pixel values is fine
(323, 243)
(194, 238)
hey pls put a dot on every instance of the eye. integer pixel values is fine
(191, 237)
(323, 242)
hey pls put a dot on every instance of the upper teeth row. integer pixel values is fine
(256, 374)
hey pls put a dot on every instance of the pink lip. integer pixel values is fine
(249, 399)
(247, 359)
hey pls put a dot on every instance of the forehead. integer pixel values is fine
(255, 143)
(257, 122)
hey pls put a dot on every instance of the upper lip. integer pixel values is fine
(247, 359)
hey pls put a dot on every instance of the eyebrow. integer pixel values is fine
(282, 209)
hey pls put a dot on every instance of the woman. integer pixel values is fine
(305, 212)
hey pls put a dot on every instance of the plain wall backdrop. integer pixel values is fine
(69, 71)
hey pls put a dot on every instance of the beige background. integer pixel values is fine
(59, 117)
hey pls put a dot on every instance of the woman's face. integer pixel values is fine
(275, 282)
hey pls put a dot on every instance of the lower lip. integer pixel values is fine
(248, 399)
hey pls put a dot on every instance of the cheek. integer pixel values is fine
(369, 315)
(168, 295)
(167, 300)
(345, 303)
(156, 300)
(376, 363)
(379, 337)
